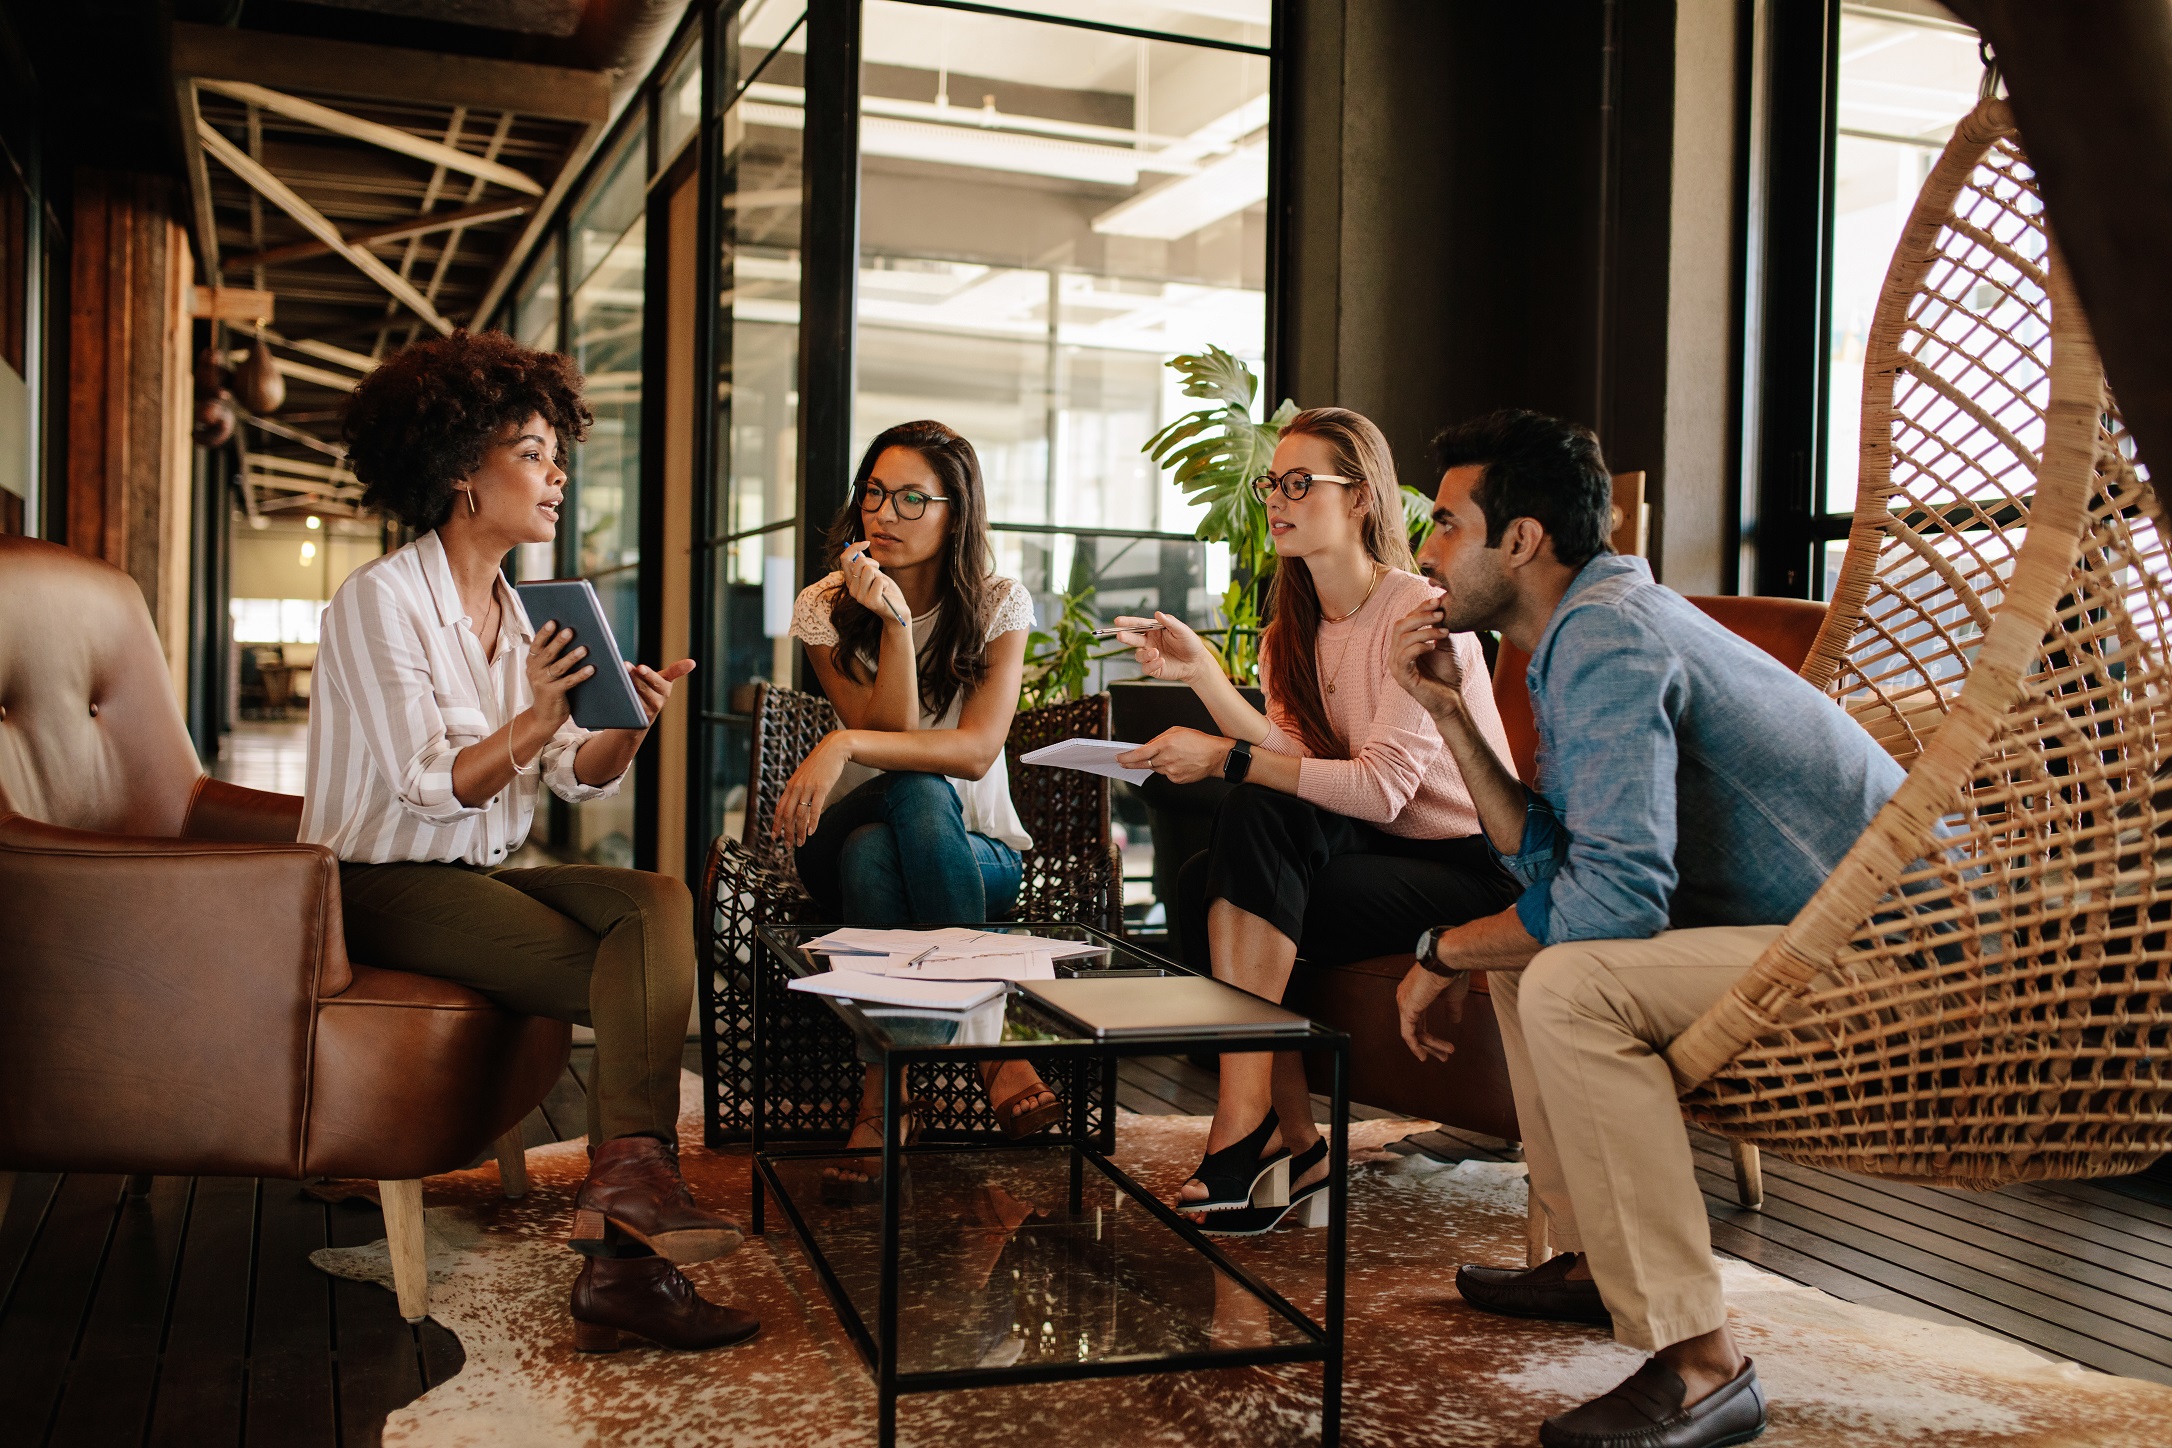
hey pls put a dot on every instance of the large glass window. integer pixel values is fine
(534, 321)
(608, 250)
(1048, 213)
(753, 543)
(1905, 81)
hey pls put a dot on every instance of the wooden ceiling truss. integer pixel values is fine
(378, 195)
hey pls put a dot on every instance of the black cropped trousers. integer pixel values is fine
(1340, 888)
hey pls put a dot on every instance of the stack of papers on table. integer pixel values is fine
(898, 990)
(952, 953)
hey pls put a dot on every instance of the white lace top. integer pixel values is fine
(987, 800)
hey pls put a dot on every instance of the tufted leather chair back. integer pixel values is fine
(90, 735)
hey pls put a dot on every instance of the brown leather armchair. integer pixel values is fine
(175, 993)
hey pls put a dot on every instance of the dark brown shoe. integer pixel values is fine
(633, 1185)
(1646, 1411)
(1543, 1291)
(647, 1297)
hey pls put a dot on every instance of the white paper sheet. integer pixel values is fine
(951, 953)
(939, 995)
(1094, 756)
(965, 965)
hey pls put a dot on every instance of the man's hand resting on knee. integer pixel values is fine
(1415, 996)
(1493, 942)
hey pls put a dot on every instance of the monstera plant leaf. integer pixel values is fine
(1213, 454)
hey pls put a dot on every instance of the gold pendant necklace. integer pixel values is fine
(1379, 572)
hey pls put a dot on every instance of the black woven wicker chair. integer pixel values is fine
(811, 1078)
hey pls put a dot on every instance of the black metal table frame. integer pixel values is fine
(1324, 1340)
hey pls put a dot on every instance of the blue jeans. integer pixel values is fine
(855, 863)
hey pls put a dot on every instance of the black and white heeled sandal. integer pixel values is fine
(1306, 1207)
(1244, 1174)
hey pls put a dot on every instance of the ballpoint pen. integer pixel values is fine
(902, 621)
(1109, 633)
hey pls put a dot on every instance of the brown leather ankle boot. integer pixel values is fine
(647, 1297)
(633, 1184)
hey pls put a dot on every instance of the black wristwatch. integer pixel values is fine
(1238, 762)
(1427, 958)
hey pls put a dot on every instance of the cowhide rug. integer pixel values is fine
(1422, 1368)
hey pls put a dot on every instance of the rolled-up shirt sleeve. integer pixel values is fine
(379, 666)
(1610, 701)
(1544, 844)
(558, 773)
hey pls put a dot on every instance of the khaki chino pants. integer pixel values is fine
(1583, 1028)
(601, 947)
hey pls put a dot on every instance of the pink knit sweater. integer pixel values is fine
(1399, 776)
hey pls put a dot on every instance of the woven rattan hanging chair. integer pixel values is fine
(1982, 991)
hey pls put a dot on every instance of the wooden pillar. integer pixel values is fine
(129, 464)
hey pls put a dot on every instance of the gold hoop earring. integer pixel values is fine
(471, 499)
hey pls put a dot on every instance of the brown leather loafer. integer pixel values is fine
(633, 1184)
(1646, 1412)
(648, 1298)
(1543, 1291)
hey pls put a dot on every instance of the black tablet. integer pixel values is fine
(605, 700)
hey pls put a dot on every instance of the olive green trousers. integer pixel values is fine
(601, 947)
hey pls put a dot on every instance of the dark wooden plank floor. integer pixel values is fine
(191, 1316)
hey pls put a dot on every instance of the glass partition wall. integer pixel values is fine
(1052, 199)
(1048, 213)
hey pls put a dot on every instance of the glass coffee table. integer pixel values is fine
(983, 1262)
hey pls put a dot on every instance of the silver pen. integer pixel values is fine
(902, 621)
(1109, 633)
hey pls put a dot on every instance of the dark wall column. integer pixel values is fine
(1795, 51)
(829, 271)
(1478, 215)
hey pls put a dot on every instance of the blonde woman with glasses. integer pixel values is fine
(1348, 831)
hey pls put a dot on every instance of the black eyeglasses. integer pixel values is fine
(912, 503)
(1296, 483)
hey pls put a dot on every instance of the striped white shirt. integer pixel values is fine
(401, 687)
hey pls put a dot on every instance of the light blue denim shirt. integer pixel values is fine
(1685, 777)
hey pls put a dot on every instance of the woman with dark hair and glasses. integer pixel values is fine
(904, 816)
(1349, 830)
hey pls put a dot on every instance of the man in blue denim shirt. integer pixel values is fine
(1692, 795)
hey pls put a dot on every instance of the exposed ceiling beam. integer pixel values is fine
(390, 138)
(303, 372)
(322, 472)
(397, 231)
(248, 485)
(382, 72)
(515, 259)
(305, 487)
(313, 221)
(240, 305)
(324, 351)
(292, 434)
(207, 225)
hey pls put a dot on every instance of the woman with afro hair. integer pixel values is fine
(439, 710)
